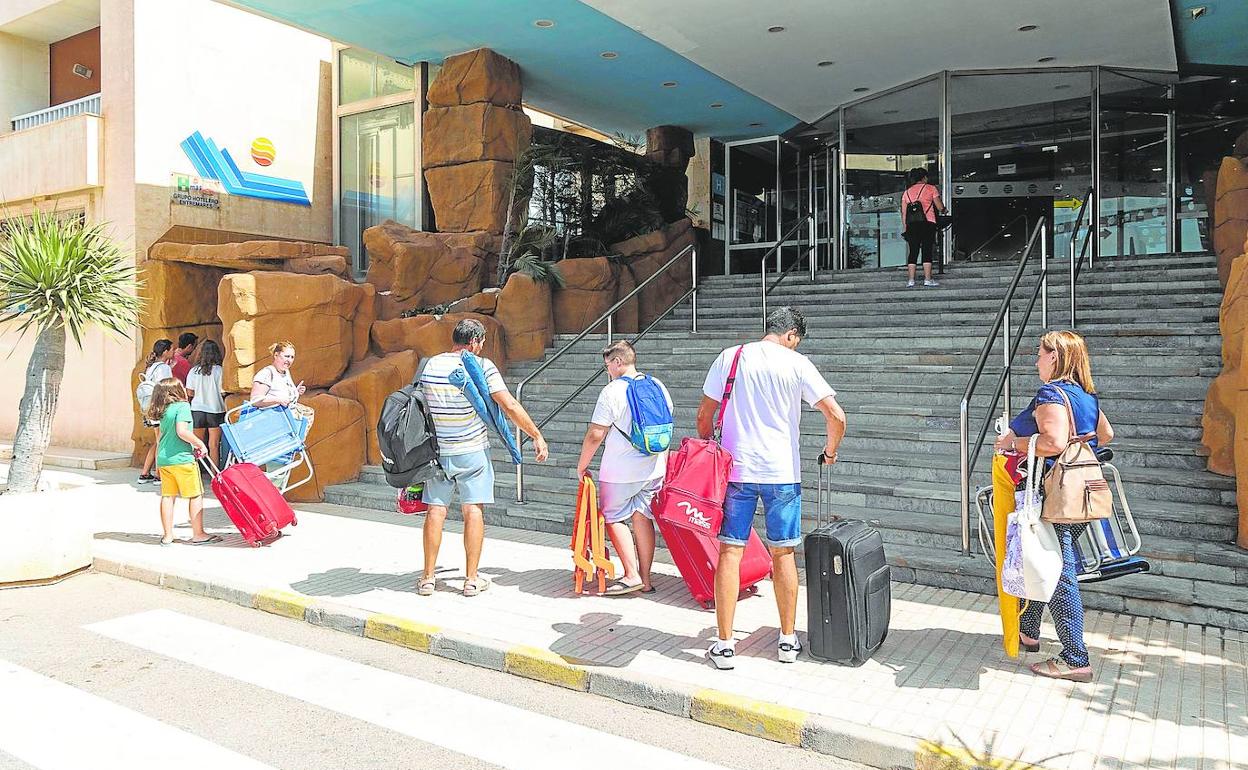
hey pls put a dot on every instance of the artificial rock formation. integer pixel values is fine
(369, 382)
(327, 319)
(524, 310)
(179, 294)
(590, 289)
(477, 76)
(329, 264)
(670, 148)
(469, 133)
(1230, 214)
(472, 196)
(626, 316)
(472, 137)
(336, 445)
(428, 335)
(483, 302)
(244, 255)
(423, 269)
(1219, 420)
(646, 254)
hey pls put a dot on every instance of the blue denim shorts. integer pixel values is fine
(472, 475)
(782, 506)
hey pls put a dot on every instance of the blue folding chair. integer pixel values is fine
(264, 437)
(1107, 548)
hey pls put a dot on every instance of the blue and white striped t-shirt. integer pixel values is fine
(460, 431)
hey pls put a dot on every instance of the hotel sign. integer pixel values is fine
(191, 190)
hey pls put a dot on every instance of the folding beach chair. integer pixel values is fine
(267, 437)
(1107, 548)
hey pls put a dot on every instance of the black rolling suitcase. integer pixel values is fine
(848, 595)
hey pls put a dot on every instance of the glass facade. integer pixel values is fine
(377, 148)
(1007, 148)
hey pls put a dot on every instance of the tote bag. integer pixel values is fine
(1033, 554)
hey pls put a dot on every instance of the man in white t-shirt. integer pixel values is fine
(627, 478)
(761, 430)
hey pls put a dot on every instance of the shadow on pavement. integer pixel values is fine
(601, 640)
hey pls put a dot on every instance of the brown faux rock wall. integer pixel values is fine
(369, 382)
(590, 289)
(1230, 214)
(472, 136)
(646, 254)
(423, 269)
(327, 319)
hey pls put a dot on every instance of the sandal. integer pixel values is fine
(426, 586)
(1028, 646)
(475, 586)
(620, 588)
(1056, 668)
(205, 541)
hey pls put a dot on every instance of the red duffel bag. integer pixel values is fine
(696, 482)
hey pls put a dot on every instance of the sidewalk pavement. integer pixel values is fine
(1166, 694)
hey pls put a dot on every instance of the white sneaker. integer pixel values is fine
(787, 653)
(931, 283)
(721, 659)
(910, 284)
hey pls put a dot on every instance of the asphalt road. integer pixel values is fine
(106, 673)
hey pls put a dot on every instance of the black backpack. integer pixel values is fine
(915, 212)
(405, 433)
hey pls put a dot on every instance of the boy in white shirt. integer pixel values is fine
(628, 479)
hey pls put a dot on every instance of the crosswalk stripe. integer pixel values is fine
(55, 726)
(493, 732)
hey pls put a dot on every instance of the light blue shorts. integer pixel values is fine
(471, 475)
(619, 500)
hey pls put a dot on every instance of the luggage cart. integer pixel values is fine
(264, 437)
(1107, 548)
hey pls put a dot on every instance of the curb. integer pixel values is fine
(815, 732)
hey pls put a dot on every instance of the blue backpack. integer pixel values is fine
(651, 431)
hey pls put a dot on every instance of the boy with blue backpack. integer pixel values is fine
(633, 417)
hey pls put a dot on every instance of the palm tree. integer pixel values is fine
(57, 275)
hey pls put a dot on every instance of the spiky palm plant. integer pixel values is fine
(58, 275)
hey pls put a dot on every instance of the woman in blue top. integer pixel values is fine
(1063, 364)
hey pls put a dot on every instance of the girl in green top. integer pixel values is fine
(176, 450)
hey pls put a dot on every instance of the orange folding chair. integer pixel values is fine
(589, 540)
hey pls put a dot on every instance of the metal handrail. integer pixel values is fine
(1001, 323)
(599, 371)
(971, 256)
(1076, 263)
(606, 318)
(762, 265)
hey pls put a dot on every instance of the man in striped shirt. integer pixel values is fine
(464, 453)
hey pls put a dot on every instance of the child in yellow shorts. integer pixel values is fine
(176, 451)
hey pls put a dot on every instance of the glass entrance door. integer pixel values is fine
(1135, 166)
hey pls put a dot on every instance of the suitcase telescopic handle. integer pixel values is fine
(823, 492)
(213, 470)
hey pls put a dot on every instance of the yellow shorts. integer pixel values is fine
(180, 481)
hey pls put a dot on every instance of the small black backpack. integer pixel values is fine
(915, 212)
(406, 436)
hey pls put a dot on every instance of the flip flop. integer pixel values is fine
(1056, 668)
(620, 588)
(649, 590)
(205, 541)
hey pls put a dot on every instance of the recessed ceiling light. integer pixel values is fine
(544, 23)
(1028, 28)
(1159, 169)
(755, 125)
(670, 84)
(609, 55)
(829, 63)
(1045, 59)
(716, 105)
(1232, 101)
(861, 90)
(1234, 81)
(775, 29)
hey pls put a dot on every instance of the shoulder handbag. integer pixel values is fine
(1032, 565)
(1075, 489)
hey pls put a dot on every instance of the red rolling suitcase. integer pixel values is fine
(696, 555)
(251, 501)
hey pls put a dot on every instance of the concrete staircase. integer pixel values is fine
(900, 360)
